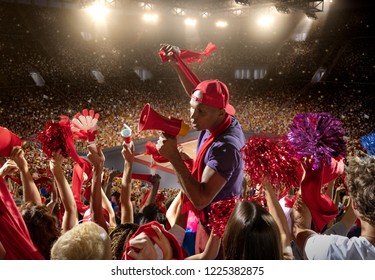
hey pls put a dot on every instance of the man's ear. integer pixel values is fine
(222, 112)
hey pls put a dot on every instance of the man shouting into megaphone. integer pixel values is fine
(217, 172)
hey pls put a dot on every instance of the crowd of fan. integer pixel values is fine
(57, 50)
(66, 56)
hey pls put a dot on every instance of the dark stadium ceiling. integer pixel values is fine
(219, 6)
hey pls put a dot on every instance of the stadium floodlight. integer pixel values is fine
(179, 11)
(221, 24)
(98, 11)
(152, 18)
(265, 21)
(190, 22)
(238, 12)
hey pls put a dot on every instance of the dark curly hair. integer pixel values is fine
(119, 237)
(41, 225)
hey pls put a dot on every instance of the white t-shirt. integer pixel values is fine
(178, 232)
(336, 247)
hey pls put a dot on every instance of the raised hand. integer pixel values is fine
(56, 161)
(96, 156)
(8, 168)
(169, 49)
(18, 156)
(128, 152)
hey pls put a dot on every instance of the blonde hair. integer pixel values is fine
(86, 241)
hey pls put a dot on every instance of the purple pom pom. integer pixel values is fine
(319, 135)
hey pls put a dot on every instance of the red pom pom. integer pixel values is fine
(271, 157)
(219, 215)
(53, 138)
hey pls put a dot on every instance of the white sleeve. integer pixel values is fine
(318, 247)
(178, 232)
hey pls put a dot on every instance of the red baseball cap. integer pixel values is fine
(213, 93)
(7, 141)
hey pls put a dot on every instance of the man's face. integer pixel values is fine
(203, 116)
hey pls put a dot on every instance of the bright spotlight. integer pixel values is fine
(265, 21)
(98, 12)
(178, 11)
(221, 24)
(237, 12)
(152, 18)
(190, 22)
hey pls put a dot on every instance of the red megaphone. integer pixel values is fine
(151, 120)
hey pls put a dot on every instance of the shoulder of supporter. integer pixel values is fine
(336, 247)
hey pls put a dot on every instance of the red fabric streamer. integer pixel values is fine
(43, 180)
(321, 206)
(290, 200)
(189, 56)
(153, 151)
(178, 252)
(160, 198)
(14, 235)
(331, 172)
(139, 176)
(142, 177)
(145, 198)
(14, 179)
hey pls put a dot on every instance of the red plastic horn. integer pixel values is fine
(151, 120)
(8, 140)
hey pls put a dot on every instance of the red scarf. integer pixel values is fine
(198, 166)
(189, 57)
(178, 252)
